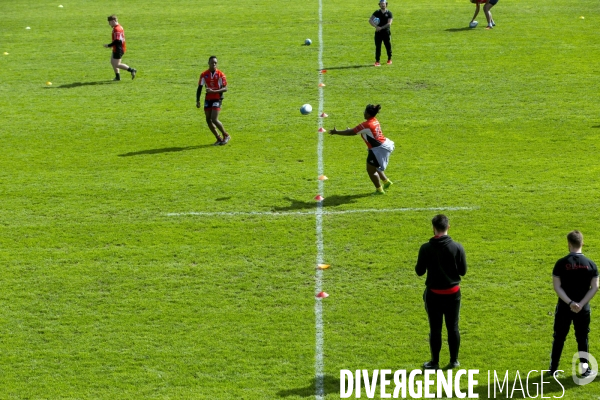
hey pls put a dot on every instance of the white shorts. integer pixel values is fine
(380, 156)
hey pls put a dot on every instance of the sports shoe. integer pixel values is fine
(489, 27)
(589, 373)
(225, 140)
(377, 64)
(117, 79)
(551, 372)
(389, 62)
(378, 193)
(218, 142)
(431, 365)
(454, 364)
(493, 23)
(133, 72)
(387, 185)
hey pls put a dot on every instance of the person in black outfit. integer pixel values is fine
(445, 262)
(382, 31)
(575, 279)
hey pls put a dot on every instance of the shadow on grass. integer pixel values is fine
(328, 202)
(78, 84)
(347, 67)
(596, 126)
(330, 385)
(165, 150)
(466, 28)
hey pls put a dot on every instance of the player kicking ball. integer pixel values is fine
(379, 147)
(216, 85)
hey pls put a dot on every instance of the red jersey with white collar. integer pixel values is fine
(371, 133)
(213, 80)
(118, 34)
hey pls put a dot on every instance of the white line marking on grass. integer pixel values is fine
(320, 211)
(319, 365)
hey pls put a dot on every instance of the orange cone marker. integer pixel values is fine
(323, 266)
(323, 178)
(321, 84)
(323, 71)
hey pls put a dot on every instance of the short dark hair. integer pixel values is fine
(112, 17)
(575, 238)
(440, 223)
(372, 110)
(211, 57)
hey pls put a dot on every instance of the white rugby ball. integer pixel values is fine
(308, 42)
(473, 24)
(306, 109)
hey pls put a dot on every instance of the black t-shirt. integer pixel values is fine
(575, 272)
(384, 17)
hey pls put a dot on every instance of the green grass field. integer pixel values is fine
(111, 289)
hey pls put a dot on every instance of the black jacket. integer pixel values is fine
(444, 260)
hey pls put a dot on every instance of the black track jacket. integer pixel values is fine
(444, 260)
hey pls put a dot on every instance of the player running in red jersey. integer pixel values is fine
(379, 146)
(216, 85)
(118, 48)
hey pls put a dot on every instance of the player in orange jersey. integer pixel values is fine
(216, 85)
(379, 146)
(118, 48)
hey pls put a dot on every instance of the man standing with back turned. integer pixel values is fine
(445, 262)
(575, 279)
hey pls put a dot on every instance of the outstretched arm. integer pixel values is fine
(347, 132)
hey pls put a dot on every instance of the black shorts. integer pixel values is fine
(117, 55)
(493, 2)
(371, 159)
(214, 104)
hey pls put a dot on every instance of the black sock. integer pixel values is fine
(129, 69)
(118, 77)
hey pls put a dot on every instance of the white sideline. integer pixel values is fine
(319, 366)
(320, 211)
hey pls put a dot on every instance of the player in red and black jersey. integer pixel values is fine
(575, 280)
(118, 48)
(216, 84)
(379, 147)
